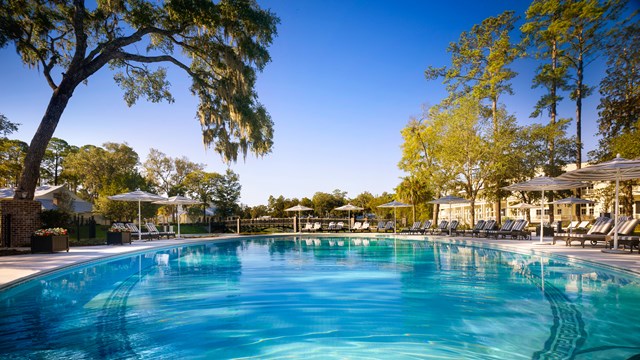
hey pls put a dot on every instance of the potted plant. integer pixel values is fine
(118, 234)
(50, 240)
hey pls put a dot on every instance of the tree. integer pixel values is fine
(619, 109)
(226, 194)
(544, 32)
(466, 148)
(168, 174)
(224, 43)
(324, 203)
(587, 23)
(12, 153)
(480, 61)
(200, 185)
(419, 156)
(105, 170)
(54, 156)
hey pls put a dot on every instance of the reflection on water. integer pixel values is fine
(325, 297)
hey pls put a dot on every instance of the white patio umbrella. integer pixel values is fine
(616, 169)
(449, 199)
(139, 196)
(349, 207)
(178, 200)
(522, 206)
(543, 184)
(394, 204)
(299, 208)
(572, 201)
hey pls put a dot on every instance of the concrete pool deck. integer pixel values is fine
(14, 268)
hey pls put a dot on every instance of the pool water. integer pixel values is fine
(324, 298)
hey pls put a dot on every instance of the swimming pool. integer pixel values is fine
(324, 297)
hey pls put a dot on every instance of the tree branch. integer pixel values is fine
(81, 37)
(153, 59)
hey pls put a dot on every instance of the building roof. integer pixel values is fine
(79, 205)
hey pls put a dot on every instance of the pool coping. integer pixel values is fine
(16, 269)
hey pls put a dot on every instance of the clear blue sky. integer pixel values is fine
(345, 78)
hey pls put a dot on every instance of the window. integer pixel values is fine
(559, 212)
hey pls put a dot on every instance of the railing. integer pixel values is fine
(281, 224)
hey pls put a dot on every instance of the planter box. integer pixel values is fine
(118, 238)
(49, 244)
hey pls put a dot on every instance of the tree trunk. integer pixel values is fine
(580, 76)
(498, 204)
(31, 171)
(553, 108)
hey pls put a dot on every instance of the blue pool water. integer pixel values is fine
(323, 298)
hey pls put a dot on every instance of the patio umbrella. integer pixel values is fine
(616, 169)
(394, 204)
(139, 196)
(177, 200)
(572, 201)
(522, 206)
(348, 208)
(543, 184)
(299, 208)
(449, 199)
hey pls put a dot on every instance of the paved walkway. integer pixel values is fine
(16, 267)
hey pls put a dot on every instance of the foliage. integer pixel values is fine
(55, 218)
(12, 154)
(479, 68)
(325, 203)
(479, 62)
(587, 23)
(619, 109)
(225, 194)
(222, 45)
(52, 163)
(200, 185)
(7, 127)
(104, 170)
(169, 174)
(544, 32)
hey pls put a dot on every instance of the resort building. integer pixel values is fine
(600, 192)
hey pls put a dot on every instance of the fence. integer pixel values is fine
(279, 224)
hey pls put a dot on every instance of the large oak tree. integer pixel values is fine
(220, 45)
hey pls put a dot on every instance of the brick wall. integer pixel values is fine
(25, 219)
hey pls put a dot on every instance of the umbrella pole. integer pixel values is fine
(615, 225)
(449, 219)
(542, 217)
(395, 223)
(178, 222)
(139, 223)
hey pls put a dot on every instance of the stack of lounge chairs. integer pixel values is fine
(624, 235)
(444, 225)
(513, 229)
(426, 226)
(479, 225)
(488, 225)
(415, 227)
(506, 228)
